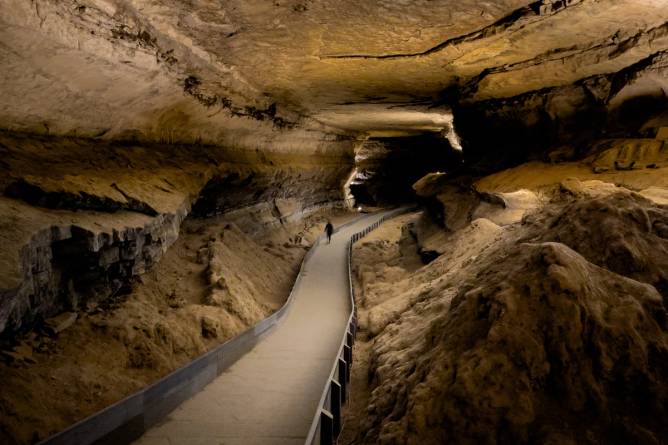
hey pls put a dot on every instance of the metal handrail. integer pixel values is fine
(327, 422)
(127, 419)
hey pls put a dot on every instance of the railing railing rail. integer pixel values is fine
(127, 419)
(327, 422)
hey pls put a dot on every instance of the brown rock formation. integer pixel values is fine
(552, 330)
(120, 119)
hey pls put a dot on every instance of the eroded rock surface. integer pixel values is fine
(551, 329)
(81, 218)
(121, 118)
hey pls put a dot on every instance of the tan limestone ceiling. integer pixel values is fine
(330, 60)
(333, 52)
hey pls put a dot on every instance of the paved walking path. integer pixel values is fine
(270, 395)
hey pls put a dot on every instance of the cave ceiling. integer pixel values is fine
(114, 68)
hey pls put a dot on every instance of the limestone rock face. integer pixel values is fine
(514, 77)
(82, 218)
(189, 71)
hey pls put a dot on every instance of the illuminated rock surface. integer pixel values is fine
(129, 126)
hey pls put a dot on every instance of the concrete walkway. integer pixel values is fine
(270, 395)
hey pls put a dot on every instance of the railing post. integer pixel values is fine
(343, 375)
(326, 427)
(335, 397)
(348, 357)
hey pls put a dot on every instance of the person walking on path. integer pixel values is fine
(329, 229)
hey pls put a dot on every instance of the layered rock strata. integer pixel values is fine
(82, 217)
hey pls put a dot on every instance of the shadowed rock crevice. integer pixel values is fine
(563, 123)
(386, 168)
(34, 195)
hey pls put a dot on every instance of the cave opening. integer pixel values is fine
(387, 167)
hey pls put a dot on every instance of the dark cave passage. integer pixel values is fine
(387, 168)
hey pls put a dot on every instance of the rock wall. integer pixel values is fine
(82, 217)
(121, 70)
(69, 266)
(560, 123)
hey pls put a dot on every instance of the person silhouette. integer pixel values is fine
(329, 229)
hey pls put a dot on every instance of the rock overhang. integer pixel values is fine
(186, 72)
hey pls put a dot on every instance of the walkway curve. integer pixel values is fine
(269, 396)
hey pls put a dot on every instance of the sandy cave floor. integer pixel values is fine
(212, 284)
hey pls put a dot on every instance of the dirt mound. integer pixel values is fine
(554, 333)
(623, 232)
(542, 347)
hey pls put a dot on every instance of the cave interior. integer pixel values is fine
(141, 139)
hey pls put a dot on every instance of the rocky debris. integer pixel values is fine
(507, 208)
(202, 255)
(69, 266)
(455, 202)
(19, 355)
(620, 231)
(210, 327)
(430, 184)
(164, 323)
(552, 331)
(226, 289)
(514, 353)
(546, 7)
(61, 322)
(175, 301)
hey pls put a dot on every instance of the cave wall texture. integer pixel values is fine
(119, 119)
(119, 116)
(82, 217)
